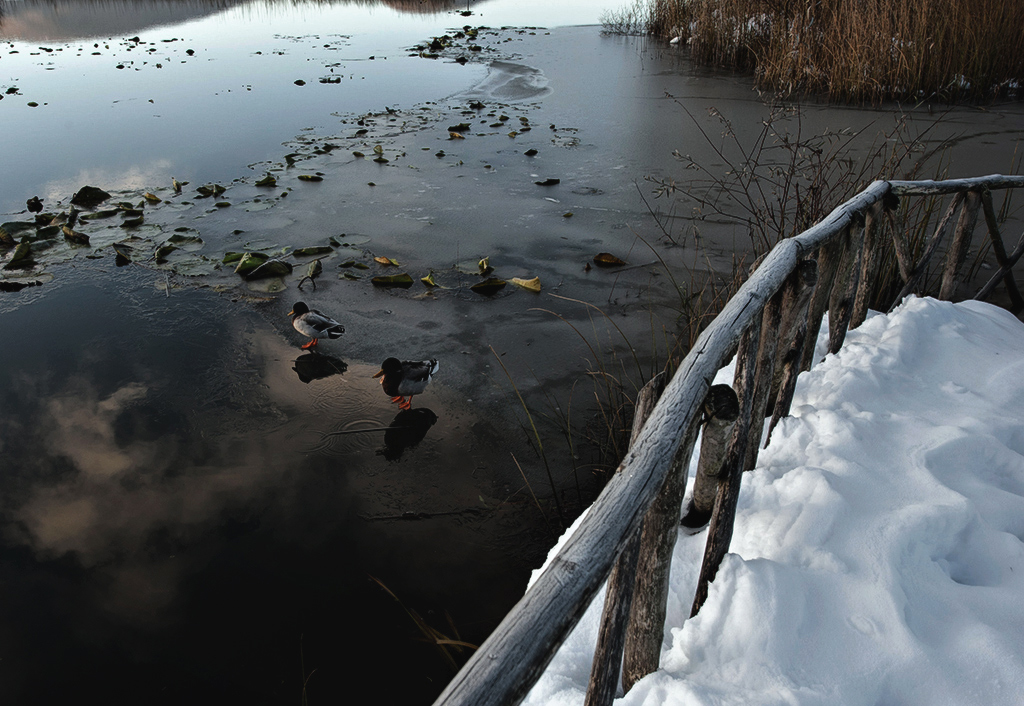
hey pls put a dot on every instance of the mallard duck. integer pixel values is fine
(401, 378)
(312, 323)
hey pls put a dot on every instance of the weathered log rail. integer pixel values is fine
(771, 324)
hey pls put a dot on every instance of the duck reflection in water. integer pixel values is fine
(315, 366)
(407, 429)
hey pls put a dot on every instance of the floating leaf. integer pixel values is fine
(268, 180)
(162, 252)
(270, 268)
(358, 155)
(567, 214)
(106, 213)
(48, 232)
(232, 257)
(348, 275)
(489, 286)
(548, 182)
(310, 177)
(530, 153)
(461, 127)
(22, 256)
(377, 149)
(312, 251)
(210, 190)
(74, 237)
(16, 229)
(455, 136)
(180, 240)
(485, 266)
(249, 262)
(361, 266)
(152, 198)
(132, 222)
(381, 160)
(604, 259)
(386, 261)
(401, 280)
(532, 284)
(429, 280)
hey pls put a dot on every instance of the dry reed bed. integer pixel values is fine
(859, 50)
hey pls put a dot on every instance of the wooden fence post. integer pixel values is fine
(952, 275)
(646, 628)
(933, 244)
(720, 529)
(771, 321)
(869, 265)
(720, 409)
(828, 260)
(1016, 301)
(604, 672)
(799, 288)
(840, 303)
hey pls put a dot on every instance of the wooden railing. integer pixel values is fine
(771, 324)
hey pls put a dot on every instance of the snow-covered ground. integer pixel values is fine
(878, 555)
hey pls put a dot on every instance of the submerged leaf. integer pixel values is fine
(402, 280)
(532, 284)
(605, 259)
(489, 286)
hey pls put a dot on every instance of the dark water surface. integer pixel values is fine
(192, 507)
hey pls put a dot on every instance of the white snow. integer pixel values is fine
(877, 557)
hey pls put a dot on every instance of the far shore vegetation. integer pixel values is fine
(861, 51)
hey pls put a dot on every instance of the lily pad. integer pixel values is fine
(268, 180)
(402, 280)
(605, 259)
(310, 177)
(162, 252)
(271, 268)
(188, 242)
(387, 261)
(22, 256)
(491, 285)
(15, 230)
(312, 251)
(249, 262)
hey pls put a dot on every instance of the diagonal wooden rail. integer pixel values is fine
(510, 661)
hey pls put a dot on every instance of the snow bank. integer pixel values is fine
(877, 555)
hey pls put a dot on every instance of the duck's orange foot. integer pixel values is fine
(398, 400)
(309, 345)
(406, 404)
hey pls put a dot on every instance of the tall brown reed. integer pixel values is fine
(859, 50)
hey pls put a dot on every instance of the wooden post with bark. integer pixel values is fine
(604, 672)
(731, 475)
(720, 410)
